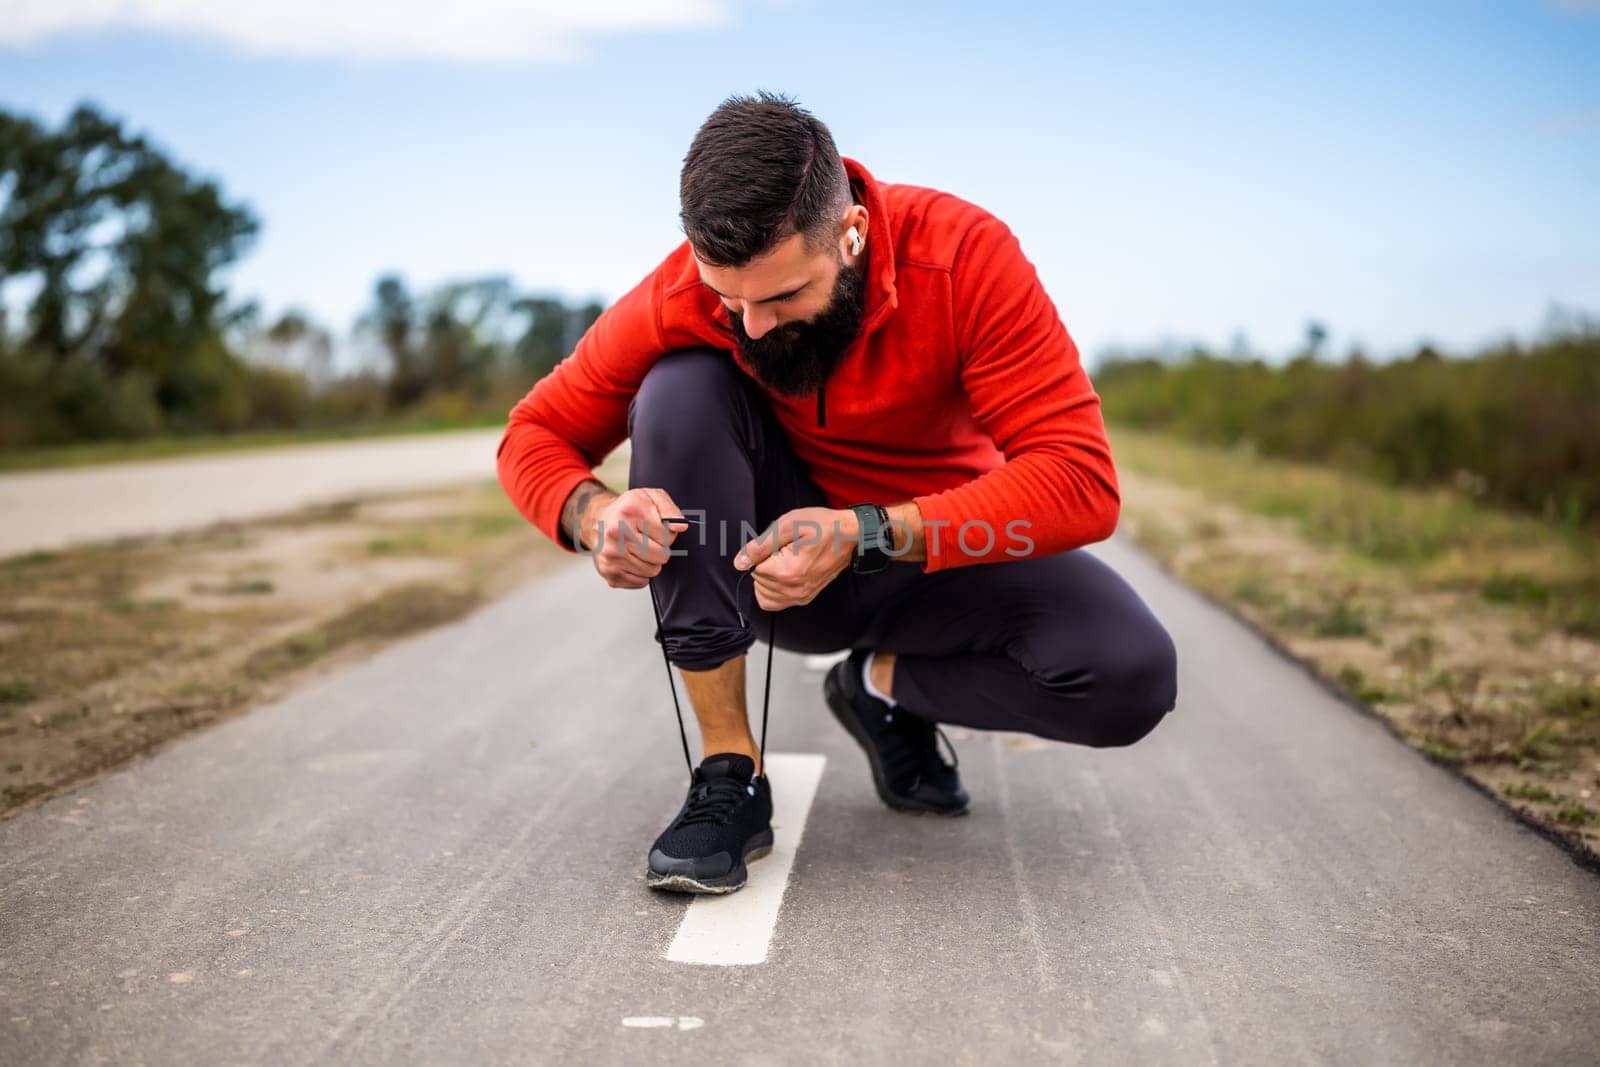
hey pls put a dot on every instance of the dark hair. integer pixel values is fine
(760, 170)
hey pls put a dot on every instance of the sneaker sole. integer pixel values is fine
(759, 846)
(839, 704)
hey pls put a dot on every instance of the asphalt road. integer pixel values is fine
(49, 508)
(437, 856)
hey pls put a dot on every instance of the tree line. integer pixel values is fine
(1512, 424)
(115, 321)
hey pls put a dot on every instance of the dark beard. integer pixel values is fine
(797, 358)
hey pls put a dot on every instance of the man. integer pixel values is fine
(872, 377)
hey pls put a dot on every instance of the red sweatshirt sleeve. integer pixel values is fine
(576, 414)
(1029, 392)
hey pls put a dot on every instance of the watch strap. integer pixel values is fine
(873, 540)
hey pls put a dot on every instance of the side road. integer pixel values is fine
(50, 509)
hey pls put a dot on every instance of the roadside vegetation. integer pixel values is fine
(1473, 632)
(1512, 426)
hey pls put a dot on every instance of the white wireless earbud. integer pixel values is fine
(855, 241)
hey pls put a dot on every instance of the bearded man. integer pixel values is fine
(864, 398)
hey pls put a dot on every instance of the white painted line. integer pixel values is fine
(655, 1022)
(736, 929)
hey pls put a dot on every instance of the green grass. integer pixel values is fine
(399, 611)
(1544, 747)
(1530, 791)
(37, 558)
(1444, 753)
(1516, 589)
(62, 719)
(128, 606)
(1575, 814)
(1257, 591)
(1575, 703)
(415, 542)
(1354, 681)
(248, 587)
(92, 453)
(1440, 536)
(1344, 620)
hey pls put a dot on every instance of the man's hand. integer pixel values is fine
(628, 538)
(799, 554)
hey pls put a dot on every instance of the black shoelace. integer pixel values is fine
(713, 800)
(766, 695)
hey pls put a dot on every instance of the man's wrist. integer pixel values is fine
(905, 533)
(902, 532)
(577, 514)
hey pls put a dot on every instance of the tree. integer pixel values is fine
(1316, 336)
(123, 249)
(391, 320)
(295, 342)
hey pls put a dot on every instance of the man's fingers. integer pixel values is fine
(777, 576)
(624, 568)
(758, 550)
(631, 540)
(781, 567)
(799, 528)
(645, 550)
(777, 599)
(663, 506)
(637, 567)
(641, 535)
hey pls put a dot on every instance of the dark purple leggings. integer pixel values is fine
(1058, 646)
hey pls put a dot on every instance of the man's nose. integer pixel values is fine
(758, 322)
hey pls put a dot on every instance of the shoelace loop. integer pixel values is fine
(712, 801)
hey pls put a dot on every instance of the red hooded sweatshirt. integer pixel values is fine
(963, 393)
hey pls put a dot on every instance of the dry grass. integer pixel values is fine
(108, 650)
(1473, 633)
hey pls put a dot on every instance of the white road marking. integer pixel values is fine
(736, 929)
(647, 1022)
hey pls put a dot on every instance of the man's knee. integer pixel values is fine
(1122, 694)
(1141, 686)
(681, 389)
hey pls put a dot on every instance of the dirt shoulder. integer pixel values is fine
(109, 650)
(1447, 638)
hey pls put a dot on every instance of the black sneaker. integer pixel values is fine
(902, 749)
(725, 820)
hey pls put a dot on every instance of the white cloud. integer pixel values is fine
(539, 30)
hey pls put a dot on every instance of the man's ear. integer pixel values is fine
(855, 218)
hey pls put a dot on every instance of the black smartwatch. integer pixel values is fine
(874, 542)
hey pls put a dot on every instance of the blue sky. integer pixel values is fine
(1182, 171)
